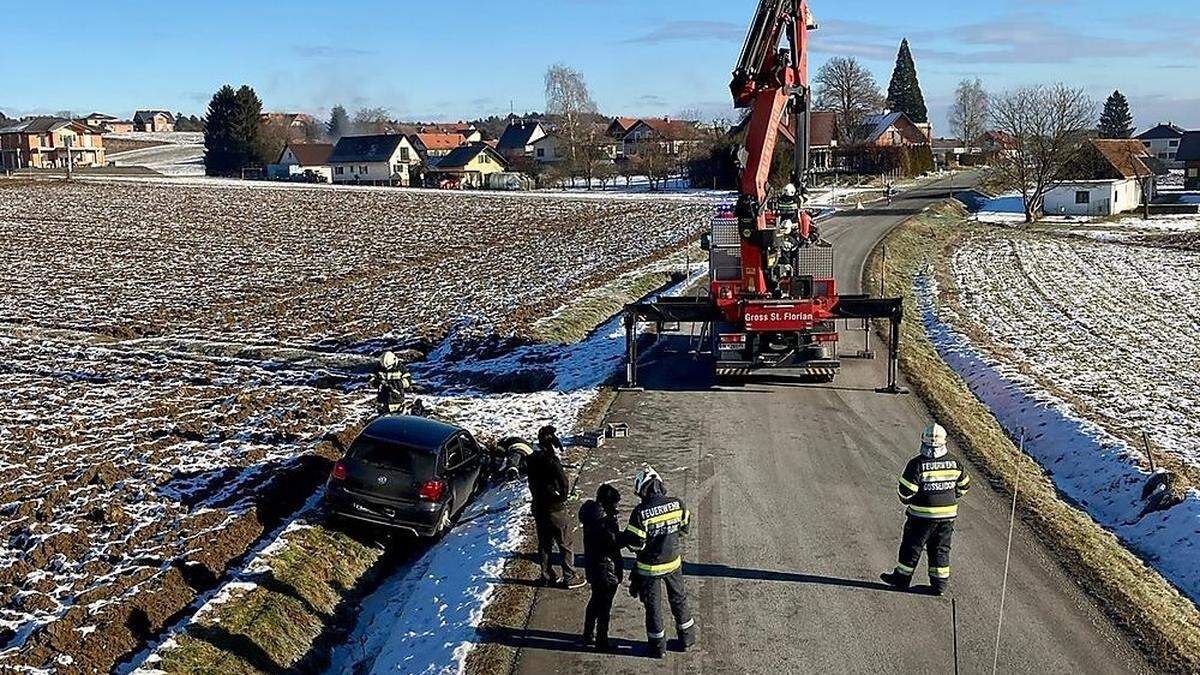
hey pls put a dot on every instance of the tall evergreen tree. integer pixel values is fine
(904, 93)
(338, 124)
(1116, 121)
(220, 151)
(246, 129)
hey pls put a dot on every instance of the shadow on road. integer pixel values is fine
(717, 570)
(532, 638)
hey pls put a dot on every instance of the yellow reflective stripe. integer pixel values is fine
(677, 514)
(904, 496)
(639, 532)
(909, 485)
(933, 510)
(687, 517)
(905, 569)
(946, 474)
(940, 572)
(661, 567)
(964, 481)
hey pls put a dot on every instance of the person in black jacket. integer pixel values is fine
(393, 382)
(550, 490)
(656, 526)
(930, 487)
(603, 563)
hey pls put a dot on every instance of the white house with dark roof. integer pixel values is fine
(517, 140)
(378, 159)
(1162, 141)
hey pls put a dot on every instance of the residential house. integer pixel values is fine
(308, 160)
(468, 166)
(550, 149)
(1189, 156)
(98, 120)
(108, 123)
(517, 141)
(153, 120)
(952, 152)
(674, 137)
(993, 144)
(465, 129)
(50, 142)
(1112, 176)
(619, 127)
(1163, 142)
(297, 124)
(379, 159)
(436, 145)
(822, 139)
(893, 129)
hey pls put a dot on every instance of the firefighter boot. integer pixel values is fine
(896, 579)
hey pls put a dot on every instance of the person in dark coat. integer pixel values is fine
(603, 563)
(550, 490)
(393, 381)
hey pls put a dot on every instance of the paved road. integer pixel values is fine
(792, 487)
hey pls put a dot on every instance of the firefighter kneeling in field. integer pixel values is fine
(930, 486)
(654, 531)
(394, 381)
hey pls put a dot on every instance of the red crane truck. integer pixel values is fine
(772, 303)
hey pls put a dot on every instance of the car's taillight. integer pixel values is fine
(432, 490)
(339, 471)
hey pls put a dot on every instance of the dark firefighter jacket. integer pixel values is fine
(392, 384)
(548, 485)
(788, 207)
(601, 544)
(654, 531)
(931, 486)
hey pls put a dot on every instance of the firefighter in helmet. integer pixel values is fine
(930, 487)
(393, 380)
(787, 208)
(655, 528)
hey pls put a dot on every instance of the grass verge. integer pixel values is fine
(1163, 624)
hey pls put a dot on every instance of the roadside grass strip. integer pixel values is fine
(1163, 623)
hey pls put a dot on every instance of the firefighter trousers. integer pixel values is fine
(554, 532)
(651, 591)
(932, 536)
(599, 609)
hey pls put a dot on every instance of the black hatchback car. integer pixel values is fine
(409, 473)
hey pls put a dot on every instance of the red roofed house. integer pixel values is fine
(435, 144)
(822, 139)
(675, 137)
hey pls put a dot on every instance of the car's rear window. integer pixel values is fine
(394, 456)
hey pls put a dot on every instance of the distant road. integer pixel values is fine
(793, 491)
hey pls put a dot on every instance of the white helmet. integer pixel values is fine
(388, 360)
(789, 190)
(934, 438)
(644, 477)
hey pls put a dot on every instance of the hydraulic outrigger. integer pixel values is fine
(772, 302)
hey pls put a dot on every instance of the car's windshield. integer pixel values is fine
(394, 456)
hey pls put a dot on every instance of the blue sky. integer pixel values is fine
(455, 60)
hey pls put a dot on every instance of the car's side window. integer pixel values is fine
(470, 447)
(454, 455)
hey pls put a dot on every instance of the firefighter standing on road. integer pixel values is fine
(550, 490)
(930, 486)
(654, 531)
(393, 381)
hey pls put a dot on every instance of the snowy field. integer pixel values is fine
(170, 349)
(1087, 344)
(181, 155)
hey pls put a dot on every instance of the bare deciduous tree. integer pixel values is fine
(1047, 125)
(371, 121)
(850, 91)
(569, 100)
(969, 114)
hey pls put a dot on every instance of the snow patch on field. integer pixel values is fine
(1096, 469)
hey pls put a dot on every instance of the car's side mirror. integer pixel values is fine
(706, 242)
